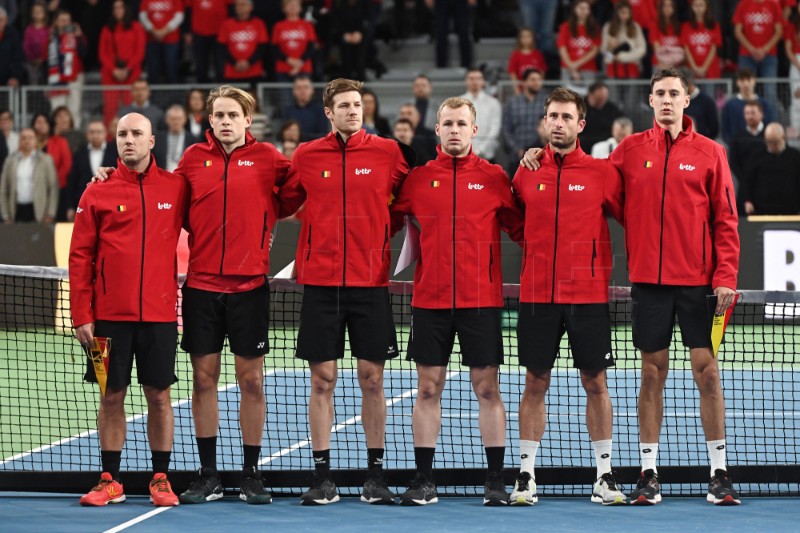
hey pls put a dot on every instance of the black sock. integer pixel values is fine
(374, 459)
(251, 454)
(110, 461)
(424, 459)
(494, 458)
(322, 463)
(160, 461)
(207, 449)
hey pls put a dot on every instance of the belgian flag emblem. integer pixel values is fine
(435, 183)
(207, 163)
(540, 187)
(121, 208)
(648, 164)
(326, 173)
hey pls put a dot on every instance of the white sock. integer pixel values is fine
(602, 456)
(527, 455)
(716, 452)
(649, 452)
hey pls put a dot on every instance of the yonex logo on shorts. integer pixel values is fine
(260, 345)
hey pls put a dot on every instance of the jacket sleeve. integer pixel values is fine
(725, 223)
(291, 194)
(510, 215)
(52, 187)
(401, 206)
(400, 169)
(82, 255)
(613, 193)
(105, 52)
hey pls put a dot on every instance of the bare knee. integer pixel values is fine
(707, 380)
(594, 382)
(487, 390)
(251, 383)
(653, 375)
(536, 384)
(323, 384)
(157, 400)
(204, 381)
(371, 383)
(113, 400)
(429, 390)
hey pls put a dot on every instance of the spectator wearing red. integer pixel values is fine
(122, 49)
(243, 41)
(702, 38)
(34, 44)
(578, 45)
(623, 43)
(161, 20)
(791, 43)
(294, 41)
(788, 6)
(665, 37)
(204, 20)
(758, 26)
(65, 53)
(524, 58)
(56, 147)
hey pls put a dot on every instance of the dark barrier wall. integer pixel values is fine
(775, 245)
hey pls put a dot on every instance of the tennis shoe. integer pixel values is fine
(106, 491)
(376, 489)
(322, 492)
(605, 491)
(648, 489)
(721, 491)
(252, 489)
(524, 492)
(206, 488)
(494, 491)
(421, 491)
(161, 494)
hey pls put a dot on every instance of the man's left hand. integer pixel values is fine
(725, 298)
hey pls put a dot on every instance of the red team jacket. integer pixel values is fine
(160, 13)
(122, 262)
(233, 205)
(207, 15)
(681, 226)
(567, 257)
(461, 204)
(241, 39)
(125, 45)
(347, 188)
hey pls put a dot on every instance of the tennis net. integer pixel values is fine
(48, 414)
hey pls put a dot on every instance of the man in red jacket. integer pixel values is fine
(461, 203)
(123, 279)
(232, 180)
(681, 231)
(564, 287)
(346, 180)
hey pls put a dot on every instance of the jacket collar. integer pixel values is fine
(576, 154)
(334, 139)
(444, 158)
(661, 134)
(128, 174)
(214, 142)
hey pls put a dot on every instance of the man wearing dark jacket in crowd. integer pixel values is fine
(600, 116)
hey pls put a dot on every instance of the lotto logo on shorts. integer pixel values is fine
(121, 208)
(648, 164)
(326, 173)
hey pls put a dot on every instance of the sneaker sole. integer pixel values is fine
(115, 500)
(256, 501)
(494, 502)
(619, 500)
(377, 501)
(420, 502)
(323, 501)
(642, 500)
(164, 504)
(522, 501)
(210, 498)
(727, 500)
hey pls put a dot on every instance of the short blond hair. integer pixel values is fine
(455, 102)
(338, 86)
(243, 98)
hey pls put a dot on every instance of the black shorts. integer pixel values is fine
(433, 333)
(541, 326)
(242, 316)
(152, 343)
(654, 309)
(366, 312)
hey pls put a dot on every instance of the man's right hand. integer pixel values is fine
(85, 334)
(749, 208)
(103, 173)
(531, 159)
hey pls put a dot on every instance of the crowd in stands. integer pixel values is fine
(61, 44)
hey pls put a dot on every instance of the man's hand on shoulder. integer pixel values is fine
(103, 173)
(532, 159)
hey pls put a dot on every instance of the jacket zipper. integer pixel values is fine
(704, 247)
(308, 244)
(227, 158)
(103, 273)
(453, 269)
(141, 271)
(491, 262)
(728, 197)
(343, 146)
(669, 142)
(264, 231)
(560, 161)
(594, 254)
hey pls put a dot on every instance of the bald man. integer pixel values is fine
(123, 279)
(771, 180)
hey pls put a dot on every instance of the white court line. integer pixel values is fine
(350, 421)
(91, 432)
(138, 519)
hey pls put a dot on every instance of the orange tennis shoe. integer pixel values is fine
(106, 491)
(161, 494)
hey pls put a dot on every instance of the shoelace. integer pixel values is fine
(160, 485)
(417, 482)
(523, 483)
(102, 485)
(610, 481)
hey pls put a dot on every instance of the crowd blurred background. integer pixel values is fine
(69, 68)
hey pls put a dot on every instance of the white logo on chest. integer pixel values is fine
(475, 186)
(245, 163)
(165, 205)
(686, 167)
(576, 187)
(360, 171)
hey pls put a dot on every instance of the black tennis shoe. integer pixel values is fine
(721, 491)
(206, 488)
(376, 489)
(648, 489)
(322, 492)
(252, 487)
(494, 492)
(421, 491)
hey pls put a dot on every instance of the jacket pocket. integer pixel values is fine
(728, 196)
(264, 231)
(385, 239)
(308, 244)
(704, 247)
(594, 254)
(491, 262)
(103, 274)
